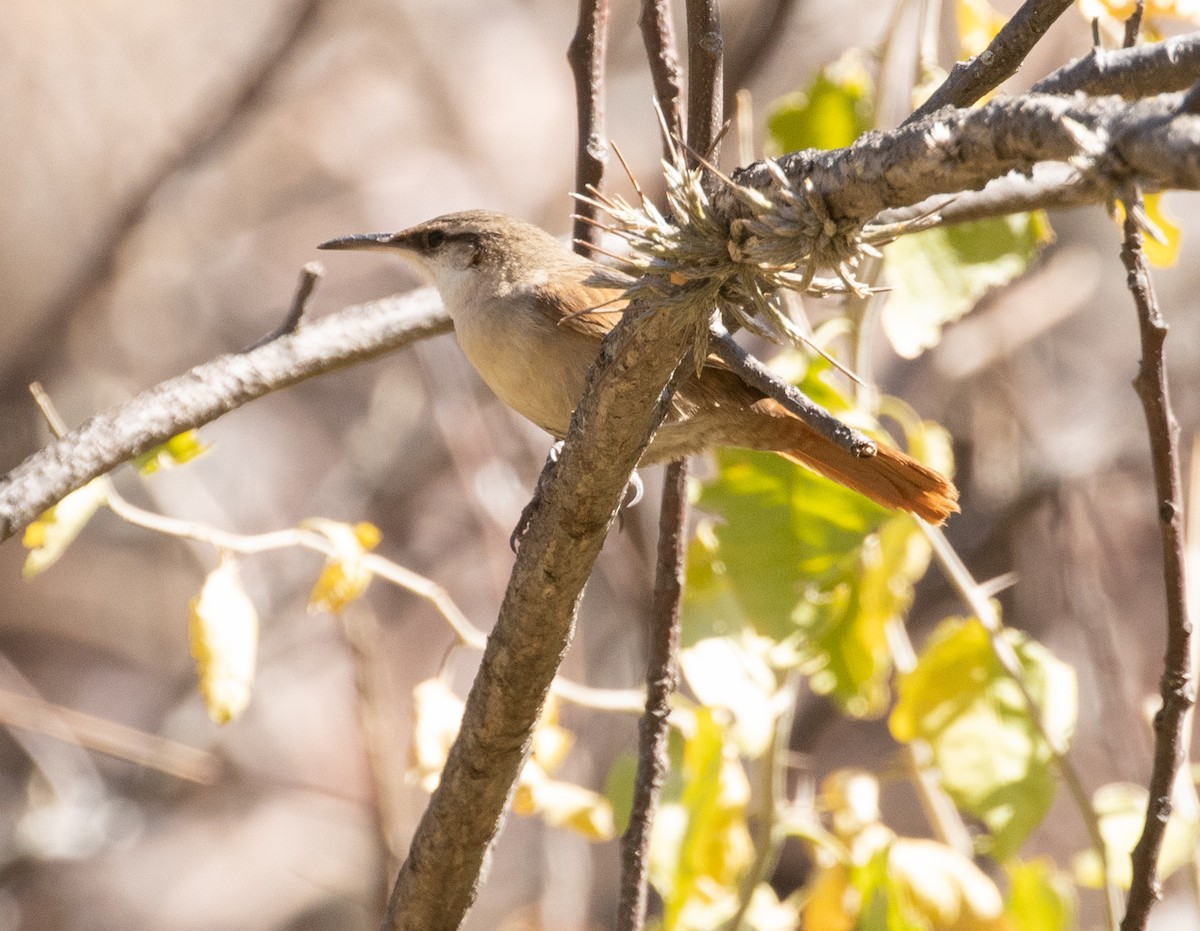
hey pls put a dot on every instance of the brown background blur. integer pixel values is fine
(166, 168)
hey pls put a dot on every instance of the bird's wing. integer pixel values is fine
(584, 308)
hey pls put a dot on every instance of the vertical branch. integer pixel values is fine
(662, 678)
(662, 672)
(658, 35)
(705, 56)
(1177, 687)
(662, 662)
(586, 58)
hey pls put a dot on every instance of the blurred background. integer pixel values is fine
(166, 170)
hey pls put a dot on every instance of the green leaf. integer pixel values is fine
(618, 788)
(834, 111)
(992, 760)
(1040, 898)
(939, 274)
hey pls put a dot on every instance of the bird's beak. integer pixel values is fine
(375, 241)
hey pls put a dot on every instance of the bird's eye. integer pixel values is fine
(434, 239)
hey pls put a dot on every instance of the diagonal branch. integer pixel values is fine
(628, 393)
(208, 391)
(969, 81)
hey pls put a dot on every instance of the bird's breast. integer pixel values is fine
(533, 365)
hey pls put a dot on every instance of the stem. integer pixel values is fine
(1177, 686)
(586, 58)
(662, 678)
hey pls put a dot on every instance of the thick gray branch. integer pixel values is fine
(208, 391)
(1151, 141)
(1158, 68)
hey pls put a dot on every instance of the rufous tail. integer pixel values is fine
(890, 477)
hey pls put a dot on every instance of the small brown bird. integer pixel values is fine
(520, 303)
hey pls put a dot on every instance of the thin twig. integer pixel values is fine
(108, 737)
(662, 678)
(792, 398)
(662, 661)
(658, 35)
(209, 390)
(586, 58)
(310, 274)
(705, 65)
(1178, 690)
(968, 81)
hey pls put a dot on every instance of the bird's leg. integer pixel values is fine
(514, 541)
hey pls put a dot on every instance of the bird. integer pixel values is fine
(529, 315)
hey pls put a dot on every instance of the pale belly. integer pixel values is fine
(536, 368)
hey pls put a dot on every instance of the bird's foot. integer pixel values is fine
(514, 540)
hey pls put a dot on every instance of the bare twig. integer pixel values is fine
(1154, 141)
(208, 391)
(586, 57)
(662, 678)
(377, 719)
(109, 737)
(706, 46)
(658, 35)
(1158, 68)
(310, 274)
(1178, 689)
(791, 397)
(968, 81)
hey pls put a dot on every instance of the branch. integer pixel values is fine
(658, 36)
(706, 46)
(662, 678)
(1154, 141)
(103, 442)
(792, 398)
(1178, 690)
(662, 663)
(1158, 68)
(586, 58)
(628, 393)
(969, 81)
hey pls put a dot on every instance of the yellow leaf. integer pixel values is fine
(223, 629)
(945, 887)
(564, 804)
(1161, 246)
(1123, 9)
(344, 578)
(48, 537)
(978, 24)
(179, 449)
